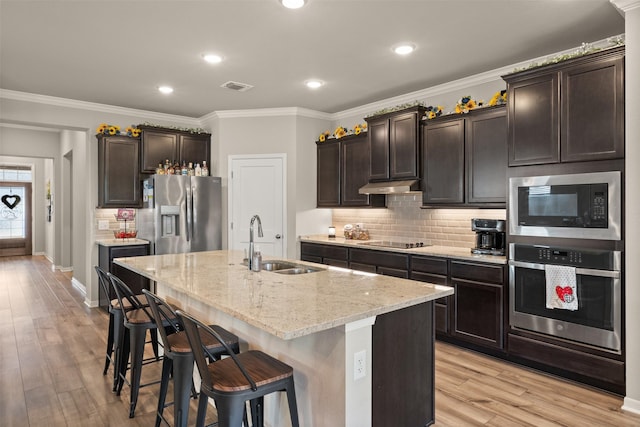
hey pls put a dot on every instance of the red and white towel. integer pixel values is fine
(562, 291)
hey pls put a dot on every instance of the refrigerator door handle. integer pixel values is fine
(189, 203)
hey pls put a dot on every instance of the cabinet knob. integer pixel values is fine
(278, 236)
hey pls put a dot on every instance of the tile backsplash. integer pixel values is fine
(114, 225)
(405, 221)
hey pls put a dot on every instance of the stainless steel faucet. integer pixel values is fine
(251, 237)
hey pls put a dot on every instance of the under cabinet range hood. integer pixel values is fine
(390, 187)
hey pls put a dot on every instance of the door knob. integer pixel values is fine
(278, 236)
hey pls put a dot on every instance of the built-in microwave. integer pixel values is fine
(581, 206)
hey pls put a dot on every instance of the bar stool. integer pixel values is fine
(116, 326)
(178, 357)
(234, 380)
(137, 321)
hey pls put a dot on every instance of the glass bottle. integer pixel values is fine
(184, 170)
(160, 169)
(198, 170)
(205, 169)
(177, 170)
(190, 170)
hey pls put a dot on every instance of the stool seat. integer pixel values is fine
(263, 369)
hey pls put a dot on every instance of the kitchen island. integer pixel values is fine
(359, 343)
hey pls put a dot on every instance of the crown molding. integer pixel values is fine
(626, 5)
(93, 106)
(460, 84)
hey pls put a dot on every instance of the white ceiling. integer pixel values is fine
(118, 52)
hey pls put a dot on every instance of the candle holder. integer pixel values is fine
(332, 232)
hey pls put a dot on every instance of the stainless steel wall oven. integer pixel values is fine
(598, 319)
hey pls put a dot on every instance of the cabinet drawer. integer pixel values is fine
(362, 267)
(380, 259)
(323, 251)
(343, 263)
(430, 265)
(478, 272)
(393, 272)
(430, 278)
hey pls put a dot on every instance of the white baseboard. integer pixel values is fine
(64, 269)
(631, 405)
(79, 286)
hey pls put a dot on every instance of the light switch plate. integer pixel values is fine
(103, 224)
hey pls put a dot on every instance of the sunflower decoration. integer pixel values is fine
(432, 112)
(357, 129)
(323, 136)
(466, 104)
(499, 98)
(133, 132)
(339, 132)
(102, 128)
(114, 130)
(106, 129)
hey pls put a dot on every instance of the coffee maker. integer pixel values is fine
(490, 236)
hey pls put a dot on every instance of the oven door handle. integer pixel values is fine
(614, 274)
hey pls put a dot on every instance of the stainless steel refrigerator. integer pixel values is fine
(181, 214)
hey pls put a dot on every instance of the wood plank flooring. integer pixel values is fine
(52, 352)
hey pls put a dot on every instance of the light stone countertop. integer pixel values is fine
(121, 242)
(287, 306)
(441, 251)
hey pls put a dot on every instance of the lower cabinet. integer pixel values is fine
(434, 270)
(479, 311)
(106, 254)
(337, 256)
(380, 262)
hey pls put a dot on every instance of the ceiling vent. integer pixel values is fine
(239, 87)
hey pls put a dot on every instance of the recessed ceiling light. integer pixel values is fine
(314, 84)
(404, 48)
(165, 89)
(293, 4)
(212, 58)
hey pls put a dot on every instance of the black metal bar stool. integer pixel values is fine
(137, 321)
(234, 380)
(178, 357)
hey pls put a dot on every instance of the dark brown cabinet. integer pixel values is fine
(434, 270)
(479, 312)
(342, 166)
(338, 256)
(106, 254)
(394, 145)
(380, 262)
(465, 159)
(567, 112)
(119, 184)
(159, 144)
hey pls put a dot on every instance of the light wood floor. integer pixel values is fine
(52, 350)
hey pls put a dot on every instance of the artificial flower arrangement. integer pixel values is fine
(432, 112)
(106, 129)
(342, 131)
(466, 104)
(498, 98)
(133, 131)
(111, 130)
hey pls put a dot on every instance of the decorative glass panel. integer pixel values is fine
(12, 220)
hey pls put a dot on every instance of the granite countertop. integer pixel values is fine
(287, 306)
(121, 242)
(441, 251)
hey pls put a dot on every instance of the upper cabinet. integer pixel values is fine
(160, 144)
(342, 170)
(465, 159)
(119, 184)
(394, 144)
(568, 112)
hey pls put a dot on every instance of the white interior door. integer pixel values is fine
(257, 187)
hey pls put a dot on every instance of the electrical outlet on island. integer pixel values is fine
(360, 364)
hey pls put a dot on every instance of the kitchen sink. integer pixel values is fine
(277, 265)
(285, 267)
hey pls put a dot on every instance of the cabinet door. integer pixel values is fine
(119, 182)
(328, 179)
(195, 148)
(403, 146)
(379, 149)
(533, 120)
(443, 152)
(593, 111)
(354, 165)
(478, 314)
(486, 153)
(158, 146)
